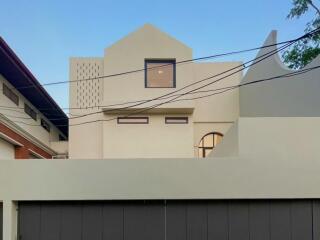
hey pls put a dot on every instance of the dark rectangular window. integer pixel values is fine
(133, 120)
(45, 125)
(160, 73)
(176, 120)
(10, 94)
(28, 110)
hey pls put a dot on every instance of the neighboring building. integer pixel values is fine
(179, 129)
(32, 125)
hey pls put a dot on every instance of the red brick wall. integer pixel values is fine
(23, 152)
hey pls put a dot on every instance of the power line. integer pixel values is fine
(224, 89)
(171, 100)
(165, 65)
(243, 66)
(299, 72)
(218, 91)
(157, 67)
(254, 61)
(175, 99)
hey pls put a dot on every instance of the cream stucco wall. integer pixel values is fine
(130, 53)
(272, 137)
(107, 139)
(278, 117)
(86, 139)
(281, 176)
(6, 150)
(296, 96)
(155, 139)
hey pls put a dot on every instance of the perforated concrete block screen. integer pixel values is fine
(88, 91)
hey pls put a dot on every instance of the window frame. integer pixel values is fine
(185, 119)
(7, 91)
(132, 118)
(45, 125)
(26, 106)
(203, 148)
(158, 60)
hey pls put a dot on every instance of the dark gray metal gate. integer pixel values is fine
(171, 220)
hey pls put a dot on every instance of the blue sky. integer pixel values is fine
(44, 34)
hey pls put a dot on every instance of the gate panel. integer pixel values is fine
(113, 221)
(71, 221)
(92, 221)
(280, 228)
(259, 220)
(50, 216)
(197, 220)
(218, 220)
(29, 221)
(154, 218)
(301, 213)
(238, 220)
(176, 220)
(170, 220)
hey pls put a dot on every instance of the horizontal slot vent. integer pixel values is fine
(133, 120)
(176, 120)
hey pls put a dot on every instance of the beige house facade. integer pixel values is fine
(133, 130)
(260, 182)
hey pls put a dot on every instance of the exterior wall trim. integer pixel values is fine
(36, 154)
(22, 152)
(14, 127)
(10, 140)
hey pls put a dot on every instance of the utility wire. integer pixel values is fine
(218, 91)
(161, 66)
(156, 67)
(253, 62)
(264, 56)
(138, 70)
(143, 110)
(224, 89)
(192, 91)
(243, 66)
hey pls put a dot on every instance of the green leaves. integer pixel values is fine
(304, 51)
(299, 8)
(300, 55)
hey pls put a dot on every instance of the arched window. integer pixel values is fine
(207, 143)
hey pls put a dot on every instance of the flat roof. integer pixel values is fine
(19, 76)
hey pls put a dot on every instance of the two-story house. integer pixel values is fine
(115, 125)
(260, 182)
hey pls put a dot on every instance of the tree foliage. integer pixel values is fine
(304, 51)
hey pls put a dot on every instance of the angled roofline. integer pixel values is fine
(142, 27)
(19, 68)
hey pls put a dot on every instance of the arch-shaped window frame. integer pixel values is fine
(202, 149)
